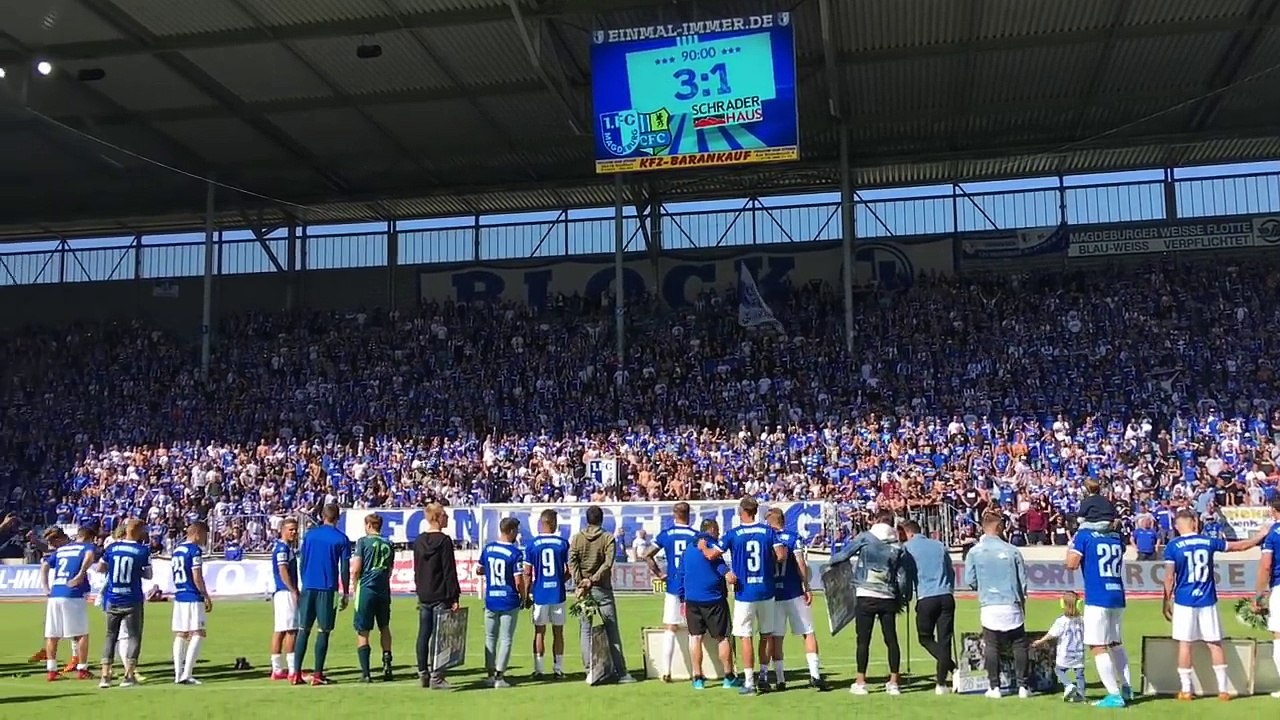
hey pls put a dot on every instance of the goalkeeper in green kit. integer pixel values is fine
(371, 563)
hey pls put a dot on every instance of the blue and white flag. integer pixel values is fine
(753, 311)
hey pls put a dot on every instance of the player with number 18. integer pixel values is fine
(1191, 597)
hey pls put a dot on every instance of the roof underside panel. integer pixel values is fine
(464, 112)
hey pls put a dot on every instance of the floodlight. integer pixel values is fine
(43, 67)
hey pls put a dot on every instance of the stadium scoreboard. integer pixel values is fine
(695, 94)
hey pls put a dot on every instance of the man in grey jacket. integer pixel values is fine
(934, 579)
(883, 589)
(996, 570)
(591, 555)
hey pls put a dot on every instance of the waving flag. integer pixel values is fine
(752, 309)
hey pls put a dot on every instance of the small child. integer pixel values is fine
(1097, 513)
(1068, 630)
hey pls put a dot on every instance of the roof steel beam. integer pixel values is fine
(830, 50)
(123, 23)
(1102, 66)
(559, 90)
(1233, 61)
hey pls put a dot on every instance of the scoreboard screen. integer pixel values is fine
(695, 94)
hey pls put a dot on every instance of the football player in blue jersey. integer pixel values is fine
(191, 601)
(546, 572)
(284, 601)
(126, 563)
(64, 575)
(1191, 597)
(1099, 554)
(1269, 583)
(504, 593)
(754, 552)
(671, 542)
(792, 605)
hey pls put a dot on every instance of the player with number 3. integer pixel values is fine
(1191, 597)
(1099, 555)
(546, 571)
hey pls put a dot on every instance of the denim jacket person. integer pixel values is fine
(997, 571)
(880, 567)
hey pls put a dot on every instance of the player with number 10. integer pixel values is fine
(125, 564)
(546, 571)
(1191, 597)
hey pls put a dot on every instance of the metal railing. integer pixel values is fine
(877, 214)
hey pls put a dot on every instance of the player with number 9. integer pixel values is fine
(671, 542)
(1191, 597)
(546, 571)
(1099, 554)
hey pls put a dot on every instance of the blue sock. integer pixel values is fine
(362, 654)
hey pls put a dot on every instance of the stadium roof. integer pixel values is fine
(480, 106)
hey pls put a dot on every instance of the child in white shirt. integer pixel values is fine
(1068, 630)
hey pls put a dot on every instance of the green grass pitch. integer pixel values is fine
(241, 628)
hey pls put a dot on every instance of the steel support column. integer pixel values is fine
(619, 293)
(848, 228)
(206, 304)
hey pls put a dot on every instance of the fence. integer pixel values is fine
(878, 214)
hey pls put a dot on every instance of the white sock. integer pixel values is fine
(193, 654)
(120, 645)
(539, 663)
(179, 656)
(1220, 674)
(51, 664)
(779, 675)
(812, 659)
(748, 679)
(1275, 653)
(291, 663)
(1184, 679)
(557, 663)
(668, 650)
(1107, 673)
(277, 662)
(1121, 660)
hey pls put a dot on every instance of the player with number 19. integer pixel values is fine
(1191, 597)
(546, 570)
(671, 542)
(190, 603)
(504, 592)
(1100, 557)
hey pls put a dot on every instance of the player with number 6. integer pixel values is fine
(1191, 597)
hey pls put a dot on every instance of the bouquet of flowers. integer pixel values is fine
(1252, 612)
(586, 606)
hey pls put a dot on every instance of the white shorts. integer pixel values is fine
(671, 610)
(1191, 624)
(1103, 626)
(66, 618)
(544, 615)
(285, 606)
(751, 618)
(188, 617)
(1273, 619)
(795, 613)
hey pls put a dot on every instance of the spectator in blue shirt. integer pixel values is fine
(703, 591)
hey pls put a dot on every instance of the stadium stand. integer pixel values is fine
(963, 393)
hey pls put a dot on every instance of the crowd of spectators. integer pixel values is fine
(959, 394)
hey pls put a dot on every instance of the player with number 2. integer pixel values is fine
(1191, 597)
